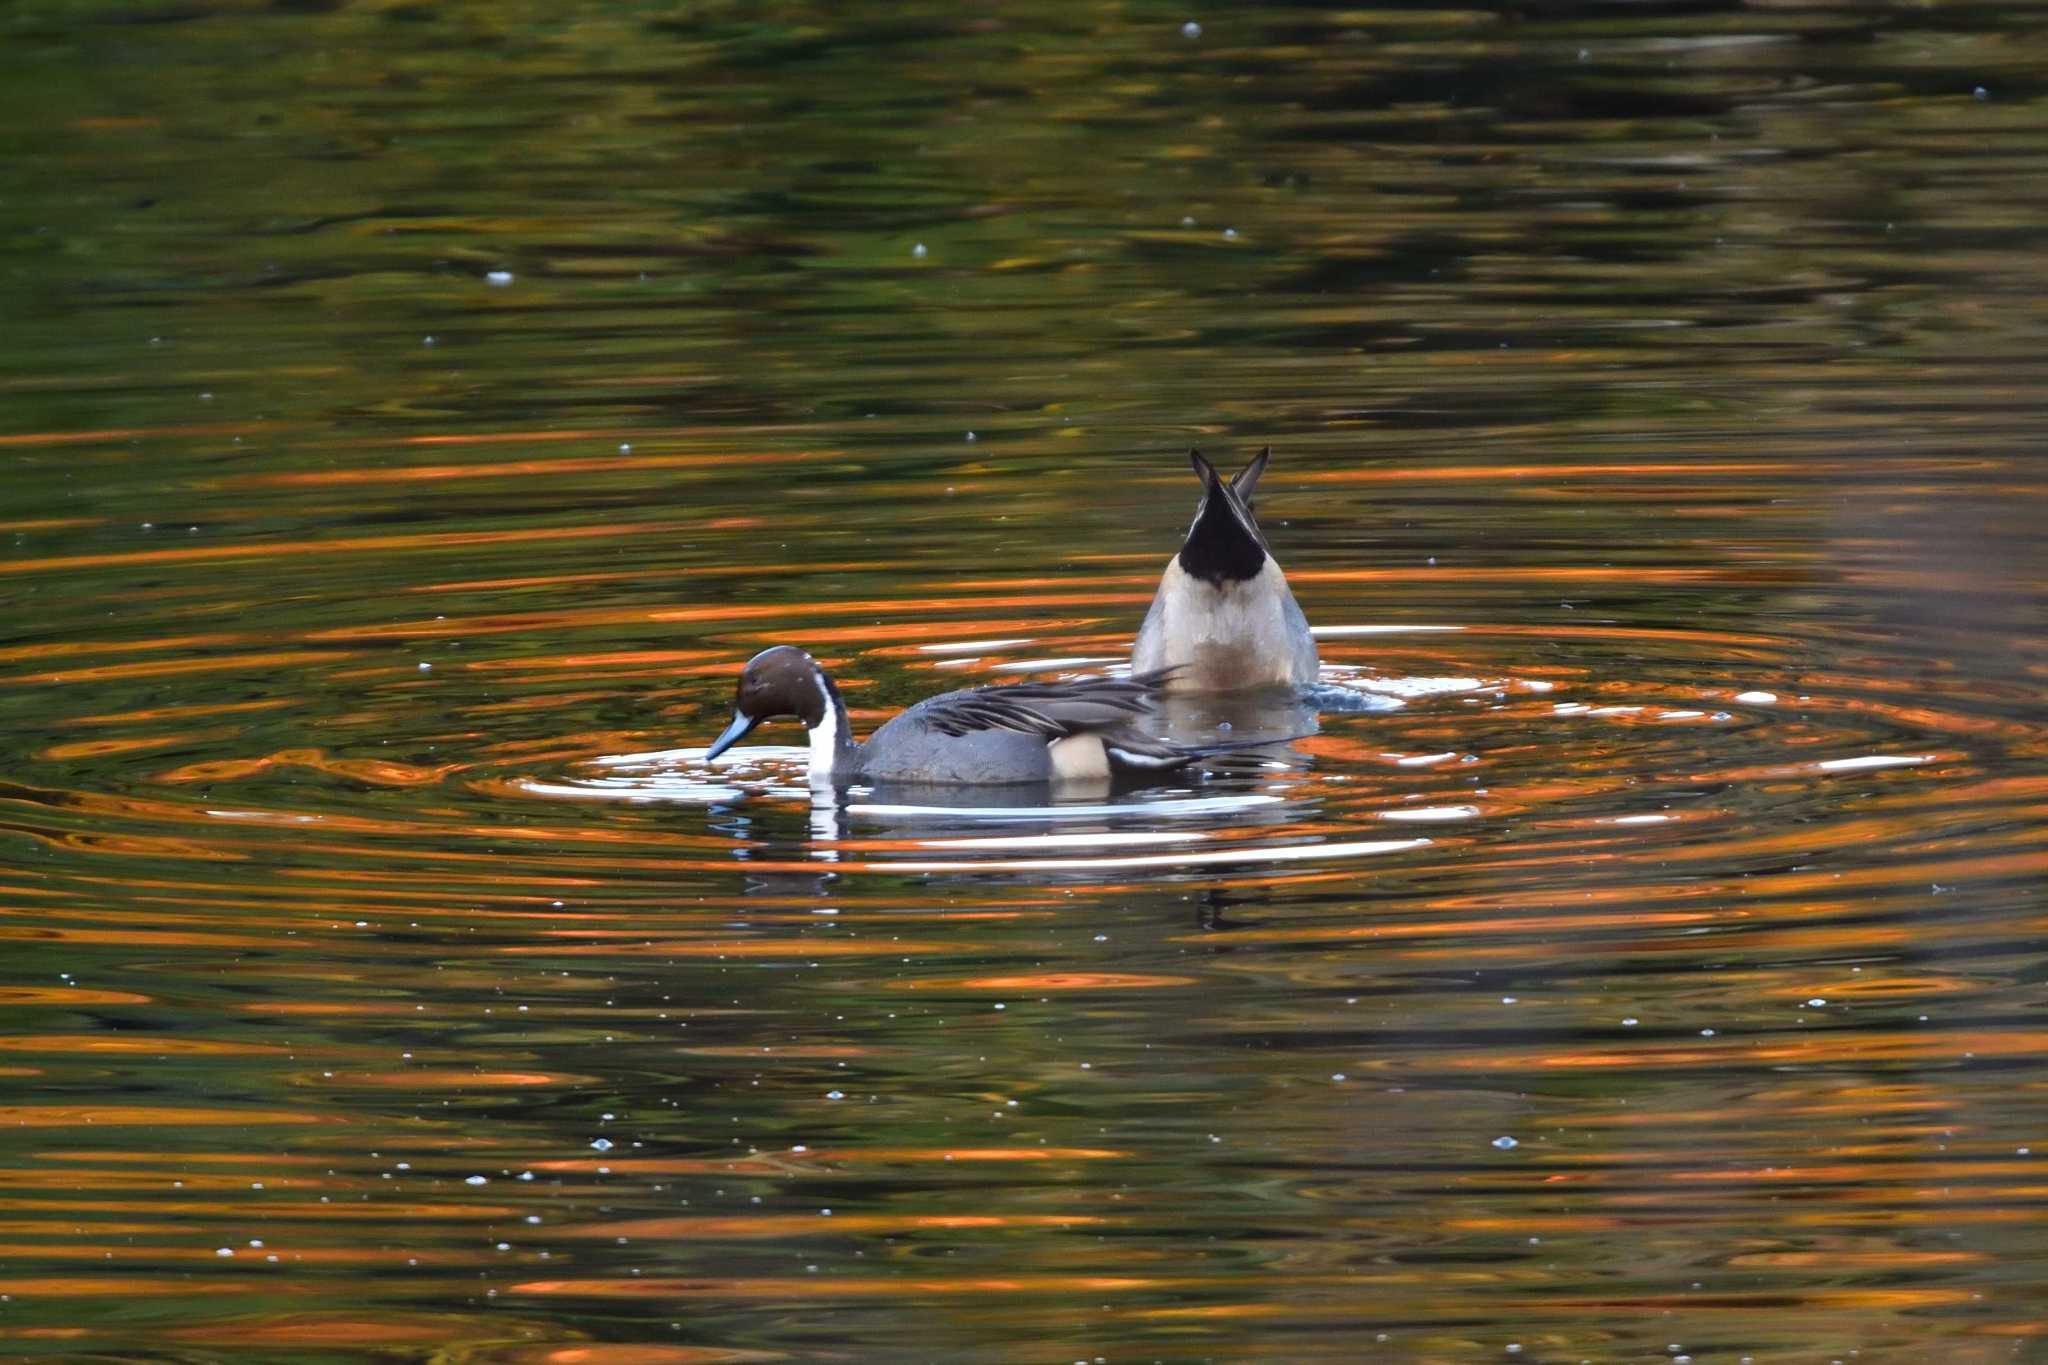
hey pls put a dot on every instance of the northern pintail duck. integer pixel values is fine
(1019, 733)
(1223, 619)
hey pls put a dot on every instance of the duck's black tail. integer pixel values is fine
(1143, 753)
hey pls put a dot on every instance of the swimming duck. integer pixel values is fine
(1019, 733)
(1223, 619)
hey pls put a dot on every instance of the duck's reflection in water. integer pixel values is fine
(1278, 713)
(915, 817)
(1030, 831)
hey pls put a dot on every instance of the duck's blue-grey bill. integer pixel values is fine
(741, 727)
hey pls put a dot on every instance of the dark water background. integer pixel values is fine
(1657, 394)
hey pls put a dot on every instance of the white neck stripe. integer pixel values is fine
(825, 735)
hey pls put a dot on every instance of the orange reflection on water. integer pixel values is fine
(753, 947)
(336, 1329)
(1050, 981)
(1862, 1259)
(432, 1078)
(67, 995)
(616, 659)
(123, 1286)
(105, 435)
(132, 937)
(1519, 924)
(858, 1155)
(750, 569)
(336, 545)
(504, 469)
(373, 772)
(108, 748)
(52, 523)
(49, 1333)
(845, 1286)
(311, 1210)
(670, 1165)
(164, 644)
(188, 1158)
(810, 1224)
(1824, 1045)
(624, 1353)
(784, 1050)
(115, 1115)
(201, 1255)
(1541, 475)
(411, 1009)
(792, 1161)
(146, 1044)
(165, 668)
(538, 622)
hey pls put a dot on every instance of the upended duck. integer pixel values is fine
(1223, 619)
(1077, 731)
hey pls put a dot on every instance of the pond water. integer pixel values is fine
(411, 416)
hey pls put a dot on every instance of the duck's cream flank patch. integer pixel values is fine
(1079, 758)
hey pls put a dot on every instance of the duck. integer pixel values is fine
(1223, 619)
(1017, 733)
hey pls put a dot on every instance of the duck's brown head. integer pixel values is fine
(783, 681)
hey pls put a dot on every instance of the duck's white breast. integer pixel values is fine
(1226, 637)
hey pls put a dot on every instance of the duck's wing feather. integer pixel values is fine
(1098, 706)
(1049, 710)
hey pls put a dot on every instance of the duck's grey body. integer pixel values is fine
(1223, 619)
(1025, 733)
(909, 748)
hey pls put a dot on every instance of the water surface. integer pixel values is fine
(413, 416)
